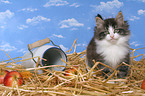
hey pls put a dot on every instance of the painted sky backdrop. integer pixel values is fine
(23, 22)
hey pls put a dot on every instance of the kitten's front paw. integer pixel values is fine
(106, 73)
(122, 74)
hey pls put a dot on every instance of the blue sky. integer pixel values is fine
(23, 22)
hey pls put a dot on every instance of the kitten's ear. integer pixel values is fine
(119, 18)
(99, 16)
(99, 22)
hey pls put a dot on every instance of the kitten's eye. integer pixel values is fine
(102, 35)
(120, 31)
(116, 31)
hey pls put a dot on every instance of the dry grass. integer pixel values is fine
(89, 83)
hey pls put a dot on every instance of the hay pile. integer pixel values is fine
(89, 83)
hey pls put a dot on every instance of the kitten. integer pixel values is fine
(109, 44)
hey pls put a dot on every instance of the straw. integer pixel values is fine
(85, 82)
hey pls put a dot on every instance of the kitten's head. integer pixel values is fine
(111, 29)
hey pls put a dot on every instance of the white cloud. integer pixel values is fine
(21, 27)
(141, 12)
(75, 5)
(19, 42)
(88, 28)
(55, 3)
(73, 29)
(6, 46)
(138, 0)
(142, 0)
(63, 47)
(64, 26)
(82, 45)
(70, 23)
(29, 9)
(4, 18)
(110, 5)
(134, 43)
(2, 27)
(5, 15)
(22, 50)
(36, 20)
(58, 36)
(5, 1)
(132, 18)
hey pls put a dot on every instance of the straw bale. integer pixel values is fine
(86, 81)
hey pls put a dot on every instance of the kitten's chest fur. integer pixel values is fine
(113, 54)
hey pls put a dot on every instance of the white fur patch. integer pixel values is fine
(111, 34)
(113, 51)
(111, 30)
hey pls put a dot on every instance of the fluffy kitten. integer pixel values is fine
(109, 44)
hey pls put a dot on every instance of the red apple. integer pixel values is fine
(12, 78)
(71, 72)
(2, 75)
(143, 84)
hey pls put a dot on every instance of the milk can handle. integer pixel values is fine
(38, 43)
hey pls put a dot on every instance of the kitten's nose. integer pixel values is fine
(112, 36)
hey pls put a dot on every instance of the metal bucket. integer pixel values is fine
(52, 54)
